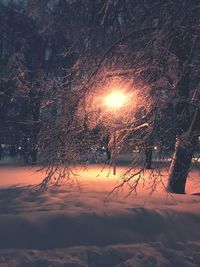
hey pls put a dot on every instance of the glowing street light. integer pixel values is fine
(115, 100)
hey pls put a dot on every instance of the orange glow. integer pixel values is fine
(116, 99)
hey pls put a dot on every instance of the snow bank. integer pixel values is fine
(63, 217)
(153, 254)
(82, 226)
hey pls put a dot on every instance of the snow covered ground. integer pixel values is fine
(83, 226)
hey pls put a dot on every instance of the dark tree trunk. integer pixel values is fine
(25, 150)
(148, 155)
(13, 151)
(148, 160)
(34, 156)
(179, 167)
(108, 153)
(188, 115)
(35, 132)
(184, 149)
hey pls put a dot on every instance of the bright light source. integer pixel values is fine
(115, 99)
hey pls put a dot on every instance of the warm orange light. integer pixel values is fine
(116, 99)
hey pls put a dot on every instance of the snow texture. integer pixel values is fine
(83, 226)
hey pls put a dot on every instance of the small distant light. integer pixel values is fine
(20, 148)
(103, 147)
(28, 139)
(155, 147)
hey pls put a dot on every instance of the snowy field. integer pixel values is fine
(83, 226)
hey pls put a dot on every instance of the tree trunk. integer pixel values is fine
(148, 160)
(34, 156)
(25, 150)
(13, 152)
(108, 153)
(184, 149)
(148, 154)
(180, 164)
